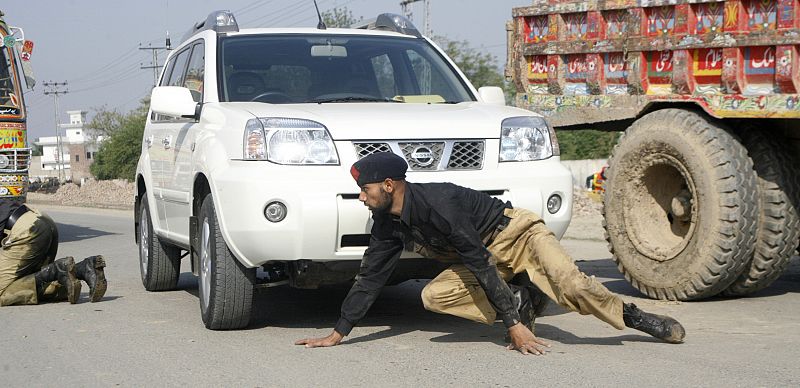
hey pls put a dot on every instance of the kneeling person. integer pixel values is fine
(494, 242)
(29, 273)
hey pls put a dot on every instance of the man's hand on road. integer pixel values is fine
(332, 340)
(525, 342)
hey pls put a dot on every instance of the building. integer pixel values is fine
(78, 146)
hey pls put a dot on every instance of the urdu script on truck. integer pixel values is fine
(733, 58)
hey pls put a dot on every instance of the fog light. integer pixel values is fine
(4, 162)
(554, 203)
(275, 211)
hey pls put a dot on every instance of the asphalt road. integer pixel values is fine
(137, 338)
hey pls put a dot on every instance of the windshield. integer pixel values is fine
(9, 97)
(287, 69)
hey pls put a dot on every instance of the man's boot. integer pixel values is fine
(91, 271)
(63, 271)
(659, 326)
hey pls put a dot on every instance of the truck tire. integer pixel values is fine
(225, 285)
(159, 263)
(778, 230)
(680, 209)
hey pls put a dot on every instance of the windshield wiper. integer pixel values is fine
(352, 99)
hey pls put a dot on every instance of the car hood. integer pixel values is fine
(363, 121)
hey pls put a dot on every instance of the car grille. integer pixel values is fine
(19, 159)
(467, 155)
(430, 155)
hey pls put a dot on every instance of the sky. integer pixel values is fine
(94, 45)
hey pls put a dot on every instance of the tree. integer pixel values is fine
(339, 17)
(105, 121)
(586, 144)
(479, 67)
(119, 153)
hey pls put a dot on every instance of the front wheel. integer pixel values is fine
(225, 285)
(680, 206)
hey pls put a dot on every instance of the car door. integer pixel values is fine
(182, 134)
(160, 140)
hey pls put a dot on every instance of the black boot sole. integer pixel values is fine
(73, 283)
(101, 285)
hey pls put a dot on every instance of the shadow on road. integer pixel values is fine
(70, 233)
(400, 309)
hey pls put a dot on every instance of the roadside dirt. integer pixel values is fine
(111, 194)
(119, 194)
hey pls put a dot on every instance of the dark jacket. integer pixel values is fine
(438, 220)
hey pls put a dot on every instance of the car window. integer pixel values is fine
(429, 78)
(194, 73)
(301, 68)
(167, 71)
(179, 70)
(384, 73)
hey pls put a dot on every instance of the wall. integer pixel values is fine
(79, 168)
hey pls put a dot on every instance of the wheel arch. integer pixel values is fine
(141, 191)
(201, 187)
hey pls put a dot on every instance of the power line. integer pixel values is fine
(154, 65)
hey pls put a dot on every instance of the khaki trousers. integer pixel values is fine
(30, 245)
(524, 245)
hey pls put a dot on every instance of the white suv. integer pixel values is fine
(247, 150)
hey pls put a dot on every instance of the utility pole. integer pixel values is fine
(425, 79)
(405, 5)
(53, 88)
(154, 51)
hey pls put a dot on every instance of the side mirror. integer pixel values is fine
(173, 101)
(492, 95)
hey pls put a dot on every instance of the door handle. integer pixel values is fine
(167, 142)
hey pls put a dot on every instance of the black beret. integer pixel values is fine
(377, 167)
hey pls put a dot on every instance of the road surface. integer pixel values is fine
(138, 338)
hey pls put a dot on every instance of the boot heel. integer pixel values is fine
(73, 283)
(99, 262)
(100, 283)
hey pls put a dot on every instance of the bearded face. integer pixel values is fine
(376, 198)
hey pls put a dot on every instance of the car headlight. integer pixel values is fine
(4, 161)
(525, 138)
(289, 141)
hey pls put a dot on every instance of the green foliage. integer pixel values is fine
(479, 67)
(119, 152)
(586, 144)
(105, 121)
(339, 17)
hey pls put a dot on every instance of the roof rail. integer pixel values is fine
(218, 21)
(389, 22)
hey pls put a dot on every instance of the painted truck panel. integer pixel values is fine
(733, 58)
(14, 154)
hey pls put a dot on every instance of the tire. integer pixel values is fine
(679, 207)
(159, 263)
(225, 285)
(778, 230)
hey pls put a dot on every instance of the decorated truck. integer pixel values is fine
(701, 196)
(15, 54)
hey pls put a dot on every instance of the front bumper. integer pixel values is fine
(322, 205)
